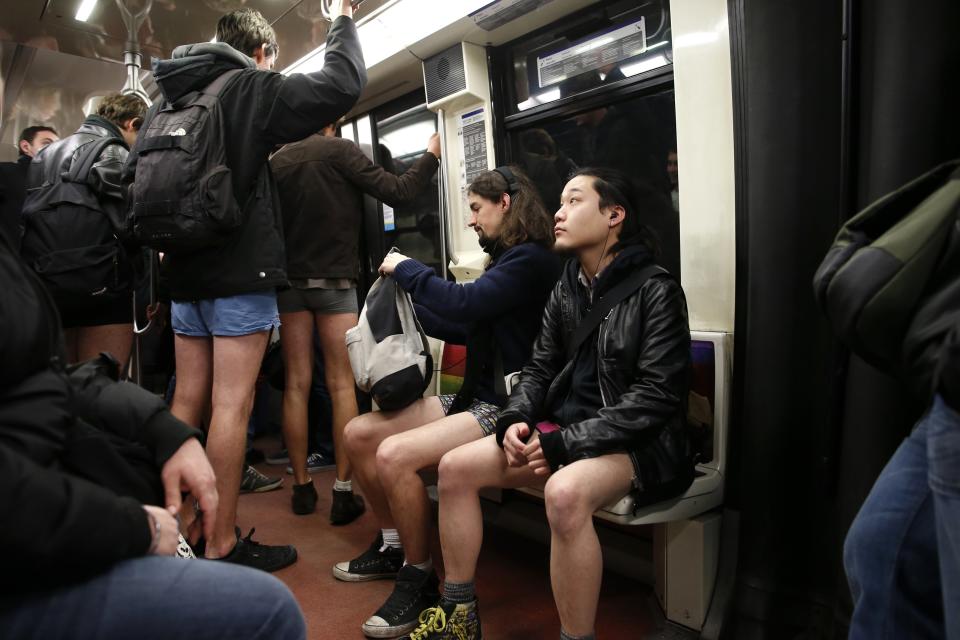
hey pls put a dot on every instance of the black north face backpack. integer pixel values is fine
(183, 196)
(69, 240)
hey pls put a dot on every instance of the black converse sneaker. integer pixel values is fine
(372, 564)
(414, 591)
(265, 557)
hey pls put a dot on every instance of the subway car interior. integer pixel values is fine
(783, 119)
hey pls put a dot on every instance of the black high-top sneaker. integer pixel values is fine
(372, 564)
(449, 621)
(414, 591)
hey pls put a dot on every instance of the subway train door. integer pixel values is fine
(395, 136)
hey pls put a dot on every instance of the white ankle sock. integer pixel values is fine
(426, 567)
(343, 485)
(390, 539)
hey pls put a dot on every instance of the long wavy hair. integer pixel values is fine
(526, 220)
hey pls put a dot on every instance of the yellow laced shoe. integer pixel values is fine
(449, 621)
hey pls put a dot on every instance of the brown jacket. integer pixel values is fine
(321, 183)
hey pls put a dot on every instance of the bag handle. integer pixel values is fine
(606, 303)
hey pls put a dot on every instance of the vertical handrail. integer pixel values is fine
(447, 253)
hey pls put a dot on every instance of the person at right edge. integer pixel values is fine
(909, 525)
(224, 300)
(321, 181)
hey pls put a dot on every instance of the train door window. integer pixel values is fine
(602, 84)
(636, 137)
(414, 227)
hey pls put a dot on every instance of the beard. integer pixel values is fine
(487, 243)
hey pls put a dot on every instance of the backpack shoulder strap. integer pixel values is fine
(613, 297)
(83, 164)
(216, 87)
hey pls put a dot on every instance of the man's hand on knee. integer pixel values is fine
(189, 470)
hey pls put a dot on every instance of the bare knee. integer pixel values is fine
(393, 459)
(567, 506)
(361, 436)
(455, 473)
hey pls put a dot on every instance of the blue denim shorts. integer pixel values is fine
(232, 316)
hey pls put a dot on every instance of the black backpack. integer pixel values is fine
(69, 240)
(183, 196)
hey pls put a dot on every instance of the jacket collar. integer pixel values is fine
(100, 127)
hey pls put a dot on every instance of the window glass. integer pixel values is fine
(414, 227)
(636, 136)
(622, 40)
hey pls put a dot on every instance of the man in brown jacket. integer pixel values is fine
(321, 182)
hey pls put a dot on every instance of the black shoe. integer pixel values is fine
(304, 499)
(414, 591)
(373, 564)
(255, 482)
(346, 507)
(265, 557)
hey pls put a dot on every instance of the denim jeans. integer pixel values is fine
(159, 598)
(943, 453)
(902, 553)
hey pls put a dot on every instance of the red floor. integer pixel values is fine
(513, 581)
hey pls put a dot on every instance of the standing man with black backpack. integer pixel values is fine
(221, 229)
(73, 235)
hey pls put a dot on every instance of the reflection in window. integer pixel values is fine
(414, 227)
(637, 137)
(623, 40)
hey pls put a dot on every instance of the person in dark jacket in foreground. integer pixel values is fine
(224, 300)
(92, 472)
(589, 430)
(498, 313)
(322, 180)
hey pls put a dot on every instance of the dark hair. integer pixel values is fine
(617, 189)
(245, 30)
(118, 108)
(526, 220)
(30, 133)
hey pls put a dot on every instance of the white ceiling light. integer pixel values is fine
(86, 8)
(395, 28)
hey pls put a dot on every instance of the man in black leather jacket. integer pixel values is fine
(590, 429)
(58, 219)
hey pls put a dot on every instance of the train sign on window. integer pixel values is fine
(603, 50)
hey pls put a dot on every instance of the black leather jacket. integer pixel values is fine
(104, 179)
(643, 360)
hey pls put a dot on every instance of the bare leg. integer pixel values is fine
(296, 341)
(364, 434)
(400, 457)
(339, 379)
(194, 378)
(115, 339)
(463, 472)
(572, 494)
(236, 362)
